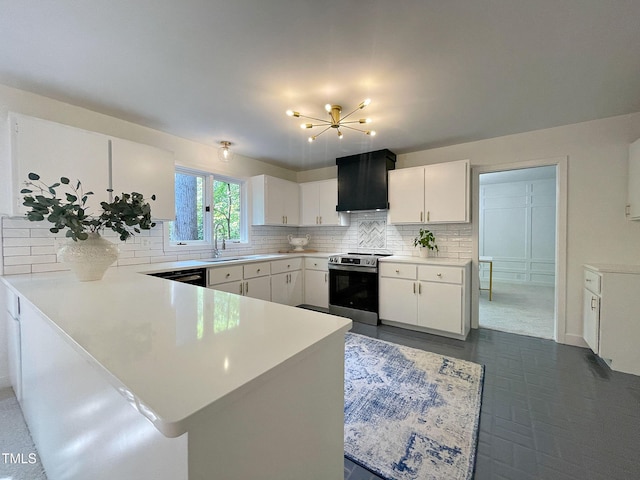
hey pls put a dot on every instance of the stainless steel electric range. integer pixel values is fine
(353, 286)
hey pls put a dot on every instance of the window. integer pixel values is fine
(206, 206)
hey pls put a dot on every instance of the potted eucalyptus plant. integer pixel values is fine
(426, 240)
(88, 253)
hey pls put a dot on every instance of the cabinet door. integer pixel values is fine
(440, 306)
(316, 288)
(258, 287)
(327, 202)
(52, 151)
(291, 203)
(406, 195)
(398, 300)
(147, 170)
(286, 288)
(591, 319)
(229, 287)
(634, 181)
(446, 192)
(309, 194)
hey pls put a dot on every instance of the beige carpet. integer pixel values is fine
(518, 308)
(19, 459)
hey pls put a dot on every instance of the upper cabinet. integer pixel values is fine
(318, 202)
(275, 201)
(52, 151)
(147, 170)
(437, 193)
(633, 201)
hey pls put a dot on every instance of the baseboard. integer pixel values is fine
(575, 340)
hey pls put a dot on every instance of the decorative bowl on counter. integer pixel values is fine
(298, 242)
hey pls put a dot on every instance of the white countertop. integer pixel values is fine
(426, 261)
(613, 268)
(175, 348)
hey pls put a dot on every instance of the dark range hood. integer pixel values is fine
(362, 180)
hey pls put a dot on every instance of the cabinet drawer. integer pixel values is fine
(224, 274)
(398, 270)
(313, 263)
(592, 281)
(286, 265)
(259, 269)
(435, 273)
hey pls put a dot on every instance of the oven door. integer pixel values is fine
(353, 287)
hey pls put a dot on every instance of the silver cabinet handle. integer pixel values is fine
(246, 288)
(414, 287)
(240, 288)
(594, 302)
(325, 278)
(428, 215)
(419, 288)
(421, 215)
(320, 220)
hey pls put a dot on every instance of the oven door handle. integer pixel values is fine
(353, 268)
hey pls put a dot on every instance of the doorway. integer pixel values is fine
(517, 243)
(520, 248)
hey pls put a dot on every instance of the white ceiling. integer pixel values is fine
(438, 72)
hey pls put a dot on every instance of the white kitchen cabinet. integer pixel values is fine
(53, 150)
(250, 280)
(428, 297)
(611, 314)
(147, 170)
(318, 202)
(11, 312)
(286, 281)
(316, 281)
(633, 178)
(437, 193)
(275, 201)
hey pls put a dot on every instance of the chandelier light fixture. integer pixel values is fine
(224, 153)
(335, 120)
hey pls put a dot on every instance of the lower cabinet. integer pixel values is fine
(610, 313)
(316, 281)
(431, 297)
(250, 280)
(286, 281)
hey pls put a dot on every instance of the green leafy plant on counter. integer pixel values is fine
(126, 214)
(425, 239)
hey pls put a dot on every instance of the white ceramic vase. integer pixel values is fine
(425, 252)
(90, 258)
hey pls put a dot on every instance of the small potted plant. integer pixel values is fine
(89, 255)
(426, 241)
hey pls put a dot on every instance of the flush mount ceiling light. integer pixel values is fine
(335, 120)
(224, 154)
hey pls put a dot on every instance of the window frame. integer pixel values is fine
(208, 242)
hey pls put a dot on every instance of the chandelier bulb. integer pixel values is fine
(312, 139)
(339, 134)
(327, 107)
(291, 113)
(371, 133)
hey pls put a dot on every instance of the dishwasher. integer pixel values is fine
(192, 276)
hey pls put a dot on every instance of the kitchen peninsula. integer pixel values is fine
(139, 377)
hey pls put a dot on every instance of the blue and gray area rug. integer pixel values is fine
(410, 414)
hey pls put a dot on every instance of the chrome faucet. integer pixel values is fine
(216, 252)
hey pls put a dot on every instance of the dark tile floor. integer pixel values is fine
(549, 411)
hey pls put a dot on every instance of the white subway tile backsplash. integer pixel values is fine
(31, 247)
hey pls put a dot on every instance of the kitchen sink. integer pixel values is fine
(221, 259)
